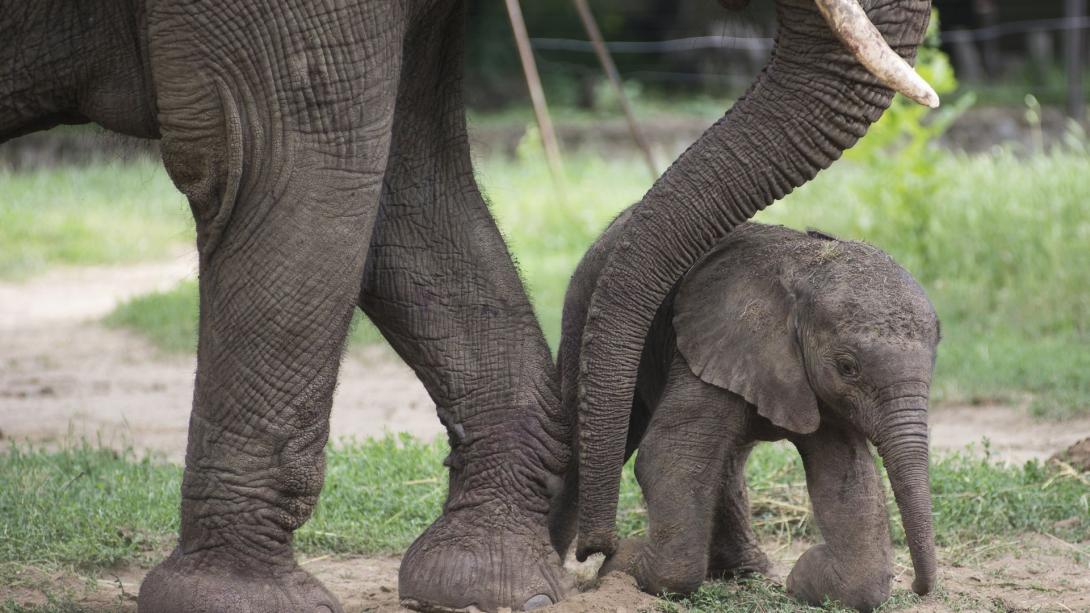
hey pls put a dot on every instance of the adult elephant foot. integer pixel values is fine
(203, 582)
(483, 558)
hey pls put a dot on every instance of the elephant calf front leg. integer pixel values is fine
(854, 564)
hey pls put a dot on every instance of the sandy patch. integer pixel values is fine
(64, 376)
(1013, 434)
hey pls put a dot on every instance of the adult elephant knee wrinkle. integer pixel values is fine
(776, 334)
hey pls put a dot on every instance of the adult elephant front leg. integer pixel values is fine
(277, 130)
(442, 288)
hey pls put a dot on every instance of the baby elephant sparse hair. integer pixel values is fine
(775, 334)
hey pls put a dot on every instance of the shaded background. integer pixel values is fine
(696, 47)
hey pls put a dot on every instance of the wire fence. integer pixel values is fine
(764, 43)
(740, 55)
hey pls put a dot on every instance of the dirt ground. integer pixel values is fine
(63, 375)
(1033, 573)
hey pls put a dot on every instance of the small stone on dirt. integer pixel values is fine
(1063, 524)
(1077, 455)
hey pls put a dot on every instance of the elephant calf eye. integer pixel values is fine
(847, 367)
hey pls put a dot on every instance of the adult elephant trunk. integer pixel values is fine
(812, 101)
(902, 443)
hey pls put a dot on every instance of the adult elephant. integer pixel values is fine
(323, 151)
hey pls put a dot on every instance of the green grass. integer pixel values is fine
(90, 508)
(84, 507)
(102, 214)
(87, 510)
(168, 318)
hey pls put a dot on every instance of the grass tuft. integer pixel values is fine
(168, 318)
(101, 214)
(84, 507)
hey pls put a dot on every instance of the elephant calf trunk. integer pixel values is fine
(904, 449)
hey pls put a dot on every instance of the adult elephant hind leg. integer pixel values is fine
(442, 288)
(279, 139)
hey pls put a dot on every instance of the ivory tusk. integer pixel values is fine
(852, 26)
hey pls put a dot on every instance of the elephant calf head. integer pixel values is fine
(809, 328)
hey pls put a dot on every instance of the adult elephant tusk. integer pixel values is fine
(850, 24)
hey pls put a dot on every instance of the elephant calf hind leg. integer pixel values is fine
(679, 468)
(735, 551)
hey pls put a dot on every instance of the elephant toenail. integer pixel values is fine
(323, 608)
(537, 602)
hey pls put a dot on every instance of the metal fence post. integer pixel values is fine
(537, 95)
(1074, 10)
(600, 49)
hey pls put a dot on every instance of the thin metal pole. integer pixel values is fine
(614, 76)
(537, 94)
(1073, 47)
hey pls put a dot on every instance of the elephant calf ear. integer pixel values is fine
(735, 326)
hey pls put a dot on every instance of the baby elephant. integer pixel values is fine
(774, 334)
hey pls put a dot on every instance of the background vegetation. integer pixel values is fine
(103, 214)
(1000, 242)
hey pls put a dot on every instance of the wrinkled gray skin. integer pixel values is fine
(323, 151)
(773, 335)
